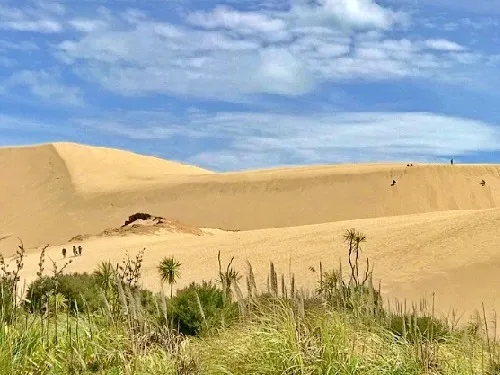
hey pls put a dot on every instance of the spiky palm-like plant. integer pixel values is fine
(104, 276)
(169, 271)
(354, 239)
(228, 278)
(58, 303)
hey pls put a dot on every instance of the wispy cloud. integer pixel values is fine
(346, 138)
(349, 14)
(443, 45)
(44, 85)
(285, 52)
(245, 23)
(478, 7)
(40, 18)
(256, 140)
(87, 25)
(25, 45)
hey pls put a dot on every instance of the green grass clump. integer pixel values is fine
(281, 341)
(80, 291)
(104, 323)
(201, 308)
(416, 327)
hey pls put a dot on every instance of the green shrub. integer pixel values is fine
(185, 313)
(418, 328)
(80, 291)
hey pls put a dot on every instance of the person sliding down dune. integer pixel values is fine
(483, 182)
(393, 183)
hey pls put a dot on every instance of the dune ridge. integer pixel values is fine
(100, 169)
(53, 192)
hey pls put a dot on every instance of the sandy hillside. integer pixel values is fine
(453, 254)
(435, 230)
(51, 193)
(46, 191)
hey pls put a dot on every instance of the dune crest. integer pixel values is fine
(99, 169)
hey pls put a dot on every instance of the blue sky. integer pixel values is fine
(249, 84)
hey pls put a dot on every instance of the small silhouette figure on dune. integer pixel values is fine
(393, 183)
(80, 250)
(64, 252)
(451, 161)
(74, 251)
(483, 182)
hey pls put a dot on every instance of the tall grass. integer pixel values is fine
(340, 328)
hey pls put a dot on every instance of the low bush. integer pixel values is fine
(199, 308)
(79, 290)
(417, 328)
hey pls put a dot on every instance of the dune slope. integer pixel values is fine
(35, 192)
(453, 254)
(51, 193)
(100, 169)
(42, 189)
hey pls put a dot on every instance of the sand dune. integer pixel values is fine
(434, 231)
(51, 193)
(46, 191)
(453, 254)
(100, 169)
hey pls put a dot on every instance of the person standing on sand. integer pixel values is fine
(451, 161)
(80, 250)
(74, 251)
(64, 252)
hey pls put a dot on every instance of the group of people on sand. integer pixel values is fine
(482, 183)
(77, 251)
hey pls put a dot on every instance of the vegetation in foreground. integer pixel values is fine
(104, 323)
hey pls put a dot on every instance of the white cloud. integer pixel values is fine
(245, 23)
(345, 14)
(44, 85)
(159, 57)
(24, 45)
(87, 25)
(347, 137)
(51, 7)
(287, 73)
(229, 54)
(443, 45)
(317, 44)
(236, 55)
(42, 26)
(355, 14)
(40, 19)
